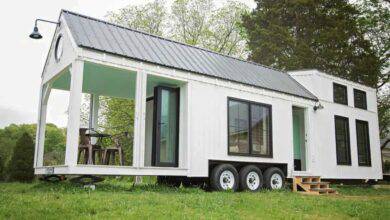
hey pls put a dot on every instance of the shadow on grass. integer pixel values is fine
(110, 186)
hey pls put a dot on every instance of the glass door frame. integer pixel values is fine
(157, 127)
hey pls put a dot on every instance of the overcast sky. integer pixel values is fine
(22, 58)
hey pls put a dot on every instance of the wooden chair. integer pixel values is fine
(85, 147)
(109, 153)
(89, 150)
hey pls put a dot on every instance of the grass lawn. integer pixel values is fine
(119, 199)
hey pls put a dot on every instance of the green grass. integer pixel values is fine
(121, 200)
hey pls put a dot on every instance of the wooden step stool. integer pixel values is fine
(311, 185)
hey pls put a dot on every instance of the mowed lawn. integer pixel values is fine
(120, 199)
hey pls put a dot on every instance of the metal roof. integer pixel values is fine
(110, 38)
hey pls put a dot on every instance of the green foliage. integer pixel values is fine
(374, 21)
(21, 164)
(150, 17)
(384, 114)
(195, 22)
(54, 144)
(322, 34)
(122, 200)
(2, 168)
(118, 117)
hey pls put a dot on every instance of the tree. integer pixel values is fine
(21, 165)
(151, 17)
(2, 166)
(374, 20)
(321, 34)
(195, 22)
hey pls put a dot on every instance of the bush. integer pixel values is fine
(21, 165)
(2, 165)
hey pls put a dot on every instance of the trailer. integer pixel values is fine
(200, 115)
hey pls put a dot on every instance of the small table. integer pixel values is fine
(97, 146)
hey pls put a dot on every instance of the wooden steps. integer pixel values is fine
(311, 185)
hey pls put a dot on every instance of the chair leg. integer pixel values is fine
(113, 157)
(85, 156)
(90, 154)
(78, 157)
(120, 156)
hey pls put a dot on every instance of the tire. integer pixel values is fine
(251, 178)
(274, 178)
(53, 178)
(224, 177)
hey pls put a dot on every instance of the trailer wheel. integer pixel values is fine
(53, 178)
(86, 179)
(251, 178)
(274, 178)
(224, 177)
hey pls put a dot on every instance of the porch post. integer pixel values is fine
(139, 119)
(41, 125)
(94, 114)
(72, 136)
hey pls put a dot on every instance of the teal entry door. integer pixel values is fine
(299, 139)
(165, 149)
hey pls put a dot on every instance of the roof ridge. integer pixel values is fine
(170, 40)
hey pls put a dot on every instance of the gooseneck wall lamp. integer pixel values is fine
(35, 34)
(318, 106)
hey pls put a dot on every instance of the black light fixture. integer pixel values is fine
(318, 106)
(35, 34)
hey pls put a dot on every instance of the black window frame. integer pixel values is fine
(356, 91)
(346, 93)
(368, 150)
(270, 135)
(348, 163)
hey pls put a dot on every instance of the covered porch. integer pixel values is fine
(149, 140)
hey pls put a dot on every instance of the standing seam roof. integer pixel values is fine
(111, 38)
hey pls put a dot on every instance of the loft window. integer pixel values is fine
(249, 128)
(343, 152)
(340, 94)
(363, 143)
(360, 99)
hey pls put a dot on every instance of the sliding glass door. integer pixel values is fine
(166, 127)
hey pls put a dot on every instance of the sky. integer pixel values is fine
(22, 59)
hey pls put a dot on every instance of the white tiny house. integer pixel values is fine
(200, 114)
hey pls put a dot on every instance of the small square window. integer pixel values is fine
(360, 99)
(340, 94)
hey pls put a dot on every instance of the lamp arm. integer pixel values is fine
(47, 21)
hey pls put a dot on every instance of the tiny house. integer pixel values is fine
(203, 115)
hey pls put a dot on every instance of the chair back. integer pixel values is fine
(84, 139)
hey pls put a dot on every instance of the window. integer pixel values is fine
(360, 99)
(342, 141)
(249, 128)
(340, 94)
(363, 143)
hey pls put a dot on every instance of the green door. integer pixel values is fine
(297, 135)
(299, 139)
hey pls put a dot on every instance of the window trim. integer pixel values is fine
(349, 162)
(346, 93)
(365, 98)
(368, 142)
(270, 141)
